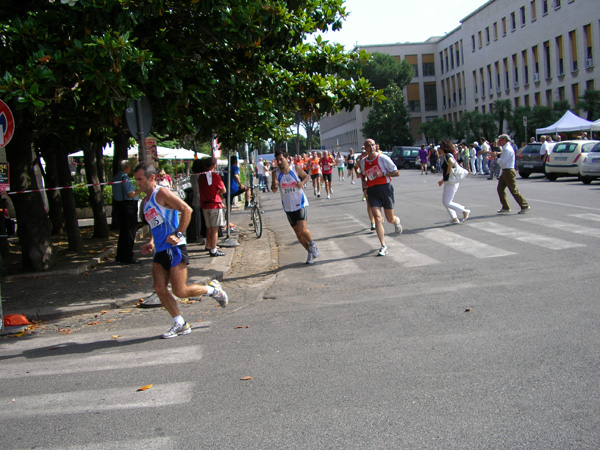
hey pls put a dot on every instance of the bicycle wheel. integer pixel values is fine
(257, 221)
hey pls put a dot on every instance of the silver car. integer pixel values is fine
(590, 167)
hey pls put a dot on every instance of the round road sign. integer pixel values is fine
(7, 124)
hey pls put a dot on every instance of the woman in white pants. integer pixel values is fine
(448, 161)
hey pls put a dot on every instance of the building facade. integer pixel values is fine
(531, 52)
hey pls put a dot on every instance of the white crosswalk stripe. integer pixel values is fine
(329, 250)
(78, 402)
(464, 244)
(564, 226)
(60, 364)
(594, 217)
(538, 239)
(406, 256)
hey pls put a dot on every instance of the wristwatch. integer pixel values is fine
(179, 235)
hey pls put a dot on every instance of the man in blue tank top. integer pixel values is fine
(161, 210)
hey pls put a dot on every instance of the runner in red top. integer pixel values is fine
(327, 163)
(378, 170)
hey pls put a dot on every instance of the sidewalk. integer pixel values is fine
(102, 284)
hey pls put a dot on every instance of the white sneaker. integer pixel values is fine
(311, 258)
(219, 294)
(383, 251)
(314, 250)
(466, 214)
(353, 182)
(177, 330)
(328, 196)
(397, 226)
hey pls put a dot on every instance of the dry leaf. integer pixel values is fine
(125, 311)
(145, 388)
(246, 378)
(110, 320)
(241, 326)
(116, 336)
(468, 309)
(95, 322)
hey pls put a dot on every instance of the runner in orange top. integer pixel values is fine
(327, 163)
(315, 173)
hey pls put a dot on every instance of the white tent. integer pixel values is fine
(568, 122)
(596, 125)
(163, 153)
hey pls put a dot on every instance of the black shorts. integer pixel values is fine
(295, 216)
(314, 176)
(327, 177)
(172, 256)
(350, 166)
(381, 195)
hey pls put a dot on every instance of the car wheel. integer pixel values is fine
(586, 180)
(551, 176)
(524, 174)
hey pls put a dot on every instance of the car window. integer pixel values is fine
(596, 148)
(406, 152)
(531, 149)
(585, 148)
(564, 148)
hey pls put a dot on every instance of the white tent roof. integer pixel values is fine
(163, 152)
(568, 122)
(596, 125)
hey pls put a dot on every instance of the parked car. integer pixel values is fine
(566, 158)
(404, 157)
(590, 167)
(529, 160)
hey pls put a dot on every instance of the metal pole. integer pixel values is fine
(140, 126)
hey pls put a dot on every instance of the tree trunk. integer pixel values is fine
(68, 201)
(121, 145)
(55, 209)
(34, 226)
(96, 197)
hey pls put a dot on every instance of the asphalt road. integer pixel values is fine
(472, 336)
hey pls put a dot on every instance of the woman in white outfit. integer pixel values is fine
(448, 161)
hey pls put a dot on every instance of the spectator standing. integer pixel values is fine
(211, 189)
(125, 202)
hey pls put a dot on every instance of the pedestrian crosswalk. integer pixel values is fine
(477, 239)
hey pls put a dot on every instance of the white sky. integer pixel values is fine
(391, 21)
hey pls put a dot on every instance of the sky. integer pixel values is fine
(391, 21)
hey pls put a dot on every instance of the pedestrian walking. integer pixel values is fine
(125, 202)
(211, 190)
(508, 177)
(423, 159)
(162, 208)
(290, 180)
(378, 169)
(450, 189)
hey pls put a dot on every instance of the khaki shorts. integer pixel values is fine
(213, 217)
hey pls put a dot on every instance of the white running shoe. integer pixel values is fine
(383, 251)
(177, 330)
(466, 214)
(328, 196)
(397, 226)
(219, 294)
(314, 250)
(311, 258)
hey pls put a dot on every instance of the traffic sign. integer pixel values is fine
(7, 124)
(525, 120)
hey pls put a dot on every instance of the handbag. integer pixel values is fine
(457, 173)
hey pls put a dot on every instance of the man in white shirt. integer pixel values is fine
(508, 177)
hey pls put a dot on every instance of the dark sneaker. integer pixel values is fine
(177, 330)
(217, 253)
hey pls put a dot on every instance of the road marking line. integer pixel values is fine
(464, 244)
(97, 400)
(524, 236)
(594, 217)
(330, 249)
(408, 257)
(563, 204)
(563, 226)
(75, 363)
(155, 443)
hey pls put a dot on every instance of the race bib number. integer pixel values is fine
(373, 173)
(326, 167)
(288, 187)
(153, 217)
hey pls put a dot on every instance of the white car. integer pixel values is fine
(590, 167)
(566, 158)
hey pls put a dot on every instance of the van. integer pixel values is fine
(404, 156)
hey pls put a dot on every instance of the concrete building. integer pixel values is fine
(531, 52)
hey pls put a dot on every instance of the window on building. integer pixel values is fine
(413, 98)
(515, 70)
(504, 26)
(548, 97)
(414, 62)
(556, 4)
(506, 77)
(487, 35)
(482, 82)
(428, 69)
(526, 100)
(442, 62)
(489, 72)
(517, 102)
(451, 57)
(457, 54)
(523, 18)
(561, 93)
(513, 21)
(589, 85)
(587, 33)
(473, 42)
(573, 47)
(480, 40)
(498, 79)
(475, 84)
(575, 93)
(547, 60)
(533, 10)
(559, 55)
(446, 57)
(430, 92)
(525, 68)
(495, 31)
(538, 100)
(536, 64)
(544, 7)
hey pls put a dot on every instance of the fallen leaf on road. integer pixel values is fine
(110, 320)
(95, 322)
(125, 311)
(241, 326)
(246, 378)
(103, 312)
(145, 388)
(65, 331)
(116, 336)
(468, 309)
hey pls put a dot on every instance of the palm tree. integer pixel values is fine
(590, 102)
(501, 110)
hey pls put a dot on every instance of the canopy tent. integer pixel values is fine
(568, 122)
(596, 125)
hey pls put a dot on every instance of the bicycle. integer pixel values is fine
(255, 212)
